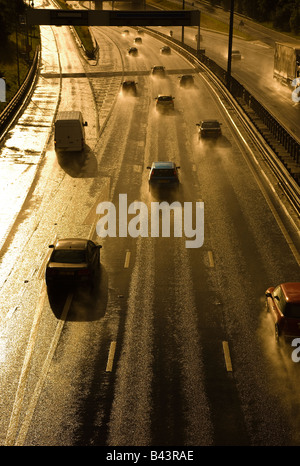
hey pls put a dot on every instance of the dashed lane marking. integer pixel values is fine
(111, 355)
(227, 356)
(127, 260)
(211, 259)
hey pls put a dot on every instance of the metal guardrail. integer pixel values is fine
(12, 108)
(278, 131)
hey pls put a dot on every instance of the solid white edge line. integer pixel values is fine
(111, 355)
(37, 391)
(227, 356)
(22, 383)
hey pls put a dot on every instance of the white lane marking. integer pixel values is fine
(17, 407)
(14, 419)
(127, 260)
(111, 355)
(38, 388)
(211, 259)
(227, 356)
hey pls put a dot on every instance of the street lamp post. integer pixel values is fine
(182, 27)
(17, 45)
(230, 44)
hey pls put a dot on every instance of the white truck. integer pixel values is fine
(69, 132)
(287, 63)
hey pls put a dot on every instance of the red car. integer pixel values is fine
(283, 302)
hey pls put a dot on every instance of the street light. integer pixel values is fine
(17, 45)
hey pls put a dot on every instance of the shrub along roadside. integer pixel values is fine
(16, 59)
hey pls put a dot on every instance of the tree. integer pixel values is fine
(283, 14)
(295, 18)
(266, 9)
(9, 10)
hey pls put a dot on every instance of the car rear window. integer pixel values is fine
(69, 256)
(162, 172)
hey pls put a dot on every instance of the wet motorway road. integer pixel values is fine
(173, 346)
(254, 70)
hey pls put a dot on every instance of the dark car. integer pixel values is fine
(209, 129)
(186, 81)
(236, 55)
(125, 32)
(133, 51)
(129, 88)
(164, 103)
(140, 32)
(73, 260)
(163, 174)
(158, 71)
(165, 50)
(283, 302)
(138, 40)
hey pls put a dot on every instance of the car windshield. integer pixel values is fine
(165, 98)
(292, 310)
(69, 256)
(163, 172)
(210, 124)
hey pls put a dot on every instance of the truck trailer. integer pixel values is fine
(286, 63)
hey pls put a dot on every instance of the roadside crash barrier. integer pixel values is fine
(12, 109)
